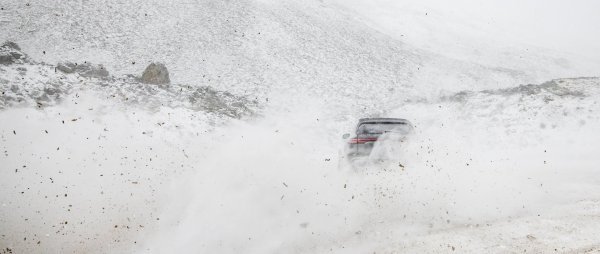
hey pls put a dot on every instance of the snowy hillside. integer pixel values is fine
(240, 153)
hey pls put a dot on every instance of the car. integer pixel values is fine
(370, 130)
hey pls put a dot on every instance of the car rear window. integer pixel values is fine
(380, 128)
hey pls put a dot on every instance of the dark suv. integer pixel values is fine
(368, 130)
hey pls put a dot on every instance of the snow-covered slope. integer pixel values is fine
(262, 46)
(241, 152)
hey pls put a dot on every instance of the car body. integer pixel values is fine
(370, 130)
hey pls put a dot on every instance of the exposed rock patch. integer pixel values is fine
(219, 102)
(558, 88)
(555, 87)
(156, 73)
(42, 85)
(12, 45)
(85, 70)
(10, 53)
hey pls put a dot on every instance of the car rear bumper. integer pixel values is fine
(355, 150)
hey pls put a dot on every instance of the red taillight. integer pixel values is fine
(362, 140)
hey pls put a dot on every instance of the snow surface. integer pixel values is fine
(241, 152)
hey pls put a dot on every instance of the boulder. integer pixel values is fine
(156, 73)
(10, 53)
(85, 70)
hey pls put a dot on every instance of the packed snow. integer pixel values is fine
(242, 151)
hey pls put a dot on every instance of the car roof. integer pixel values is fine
(383, 120)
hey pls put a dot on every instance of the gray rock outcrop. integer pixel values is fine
(156, 73)
(10, 53)
(85, 70)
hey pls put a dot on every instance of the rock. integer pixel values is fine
(12, 45)
(85, 70)
(66, 67)
(156, 73)
(219, 102)
(10, 53)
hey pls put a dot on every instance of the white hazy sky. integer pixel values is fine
(568, 26)
(572, 26)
